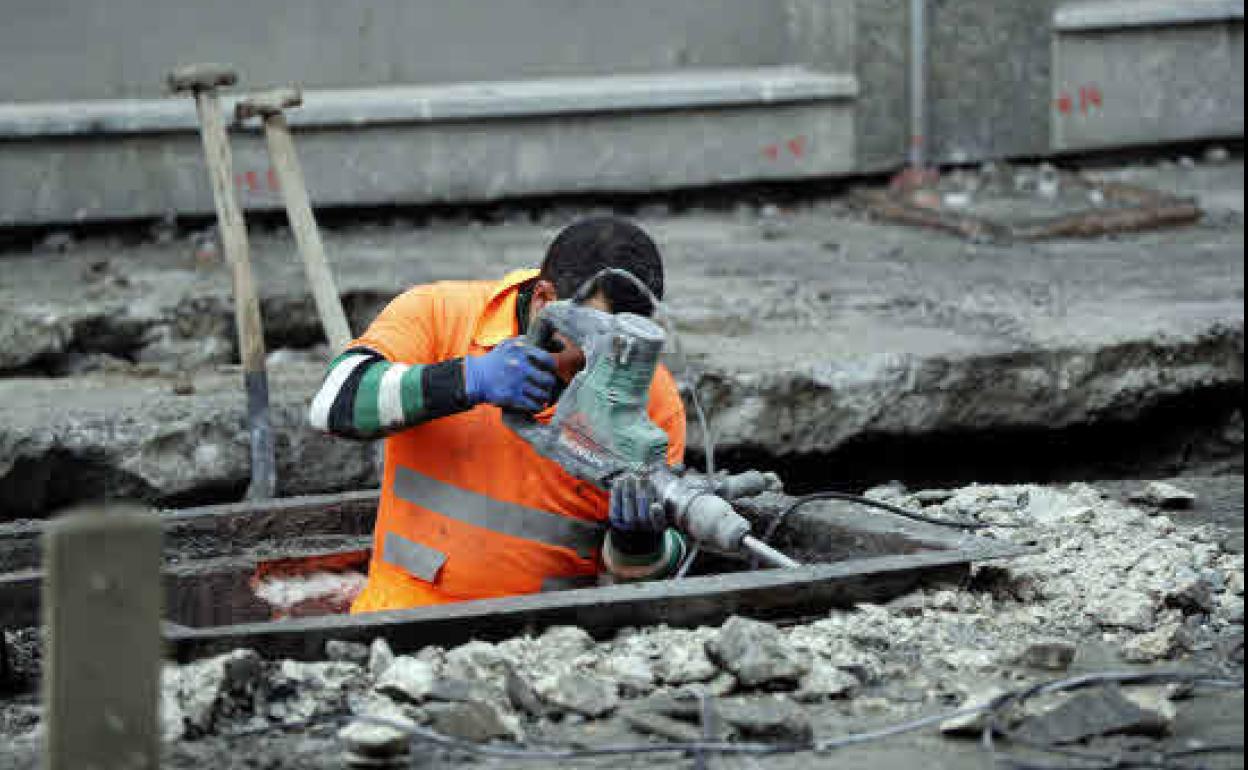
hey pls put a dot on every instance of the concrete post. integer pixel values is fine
(101, 611)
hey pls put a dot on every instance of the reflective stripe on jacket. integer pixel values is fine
(468, 509)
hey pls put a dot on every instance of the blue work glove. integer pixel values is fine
(514, 375)
(633, 508)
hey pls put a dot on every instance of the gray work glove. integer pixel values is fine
(633, 506)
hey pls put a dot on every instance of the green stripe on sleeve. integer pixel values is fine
(367, 416)
(413, 391)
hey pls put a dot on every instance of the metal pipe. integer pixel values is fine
(918, 84)
(766, 553)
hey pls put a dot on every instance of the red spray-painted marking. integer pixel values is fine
(1090, 98)
(250, 181)
(796, 147)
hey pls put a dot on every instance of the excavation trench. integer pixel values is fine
(278, 577)
(1196, 433)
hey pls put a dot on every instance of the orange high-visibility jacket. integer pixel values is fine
(468, 509)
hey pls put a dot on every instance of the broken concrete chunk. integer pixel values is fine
(521, 694)
(825, 681)
(776, 719)
(717, 687)
(889, 491)
(1049, 654)
(379, 657)
(1164, 495)
(1157, 700)
(347, 652)
(470, 721)
(1191, 592)
(566, 642)
(1235, 582)
(1124, 609)
(1231, 609)
(632, 672)
(407, 680)
(685, 662)
(323, 675)
(208, 690)
(1167, 641)
(653, 723)
(376, 740)
(452, 690)
(579, 693)
(974, 660)
(757, 653)
(933, 496)
(475, 661)
(1103, 711)
(172, 718)
(299, 691)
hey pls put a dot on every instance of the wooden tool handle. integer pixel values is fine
(233, 232)
(307, 236)
(246, 305)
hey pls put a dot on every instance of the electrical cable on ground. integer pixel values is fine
(777, 520)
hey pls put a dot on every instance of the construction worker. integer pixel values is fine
(468, 509)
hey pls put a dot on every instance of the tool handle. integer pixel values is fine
(307, 235)
(246, 304)
(233, 231)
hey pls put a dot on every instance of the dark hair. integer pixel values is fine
(586, 247)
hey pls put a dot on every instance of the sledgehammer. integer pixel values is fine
(268, 106)
(202, 81)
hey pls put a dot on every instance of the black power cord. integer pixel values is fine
(779, 518)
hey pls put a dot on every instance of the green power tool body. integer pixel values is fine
(600, 429)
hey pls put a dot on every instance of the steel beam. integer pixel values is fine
(601, 611)
(226, 528)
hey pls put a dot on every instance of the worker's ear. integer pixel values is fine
(543, 294)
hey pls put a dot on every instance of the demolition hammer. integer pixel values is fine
(600, 429)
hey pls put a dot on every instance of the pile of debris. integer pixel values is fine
(1105, 572)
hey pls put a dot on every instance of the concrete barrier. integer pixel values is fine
(1147, 72)
(426, 144)
(422, 101)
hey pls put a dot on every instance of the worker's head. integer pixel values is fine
(591, 245)
(579, 253)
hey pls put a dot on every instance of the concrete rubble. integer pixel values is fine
(1124, 577)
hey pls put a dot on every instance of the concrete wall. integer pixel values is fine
(1121, 86)
(55, 50)
(989, 79)
(992, 90)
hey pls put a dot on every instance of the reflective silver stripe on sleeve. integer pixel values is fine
(419, 560)
(497, 515)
